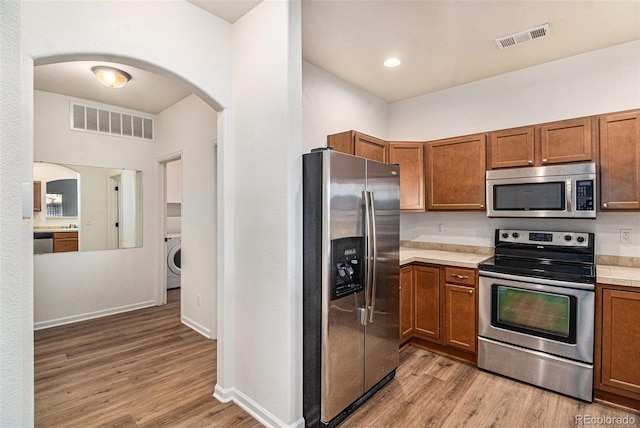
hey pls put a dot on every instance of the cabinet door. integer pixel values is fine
(342, 142)
(460, 310)
(410, 157)
(510, 148)
(621, 340)
(406, 303)
(566, 141)
(37, 196)
(371, 148)
(426, 296)
(456, 173)
(620, 161)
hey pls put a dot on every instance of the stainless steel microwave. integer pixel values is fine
(560, 191)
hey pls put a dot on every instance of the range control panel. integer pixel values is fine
(562, 239)
(347, 260)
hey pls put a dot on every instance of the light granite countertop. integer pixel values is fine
(618, 275)
(441, 257)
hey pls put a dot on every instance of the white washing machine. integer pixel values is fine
(174, 250)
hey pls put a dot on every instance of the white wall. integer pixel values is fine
(190, 128)
(266, 360)
(598, 82)
(16, 278)
(70, 286)
(331, 105)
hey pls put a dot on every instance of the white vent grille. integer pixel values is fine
(111, 122)
(523, 36)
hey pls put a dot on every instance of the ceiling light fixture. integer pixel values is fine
(392, 62)
(111, 77)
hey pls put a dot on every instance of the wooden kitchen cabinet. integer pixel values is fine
(456, 173)
(65, 241)
(620, 161)
(410, 157)
(356, 143)
(551, 143)
(426, 309)
(617, 370)
(37, 196)
(406, 303)
(460, 309)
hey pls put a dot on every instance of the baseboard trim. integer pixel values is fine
(196, 326)
(41, 325)
(225, 395)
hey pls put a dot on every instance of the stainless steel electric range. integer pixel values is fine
(536, 310)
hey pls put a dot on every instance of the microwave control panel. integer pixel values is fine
(584, 195)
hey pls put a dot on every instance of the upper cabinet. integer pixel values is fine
(456, 173)
(356, 143)
(620, 161)
(551, 143)
(410, 157)
(37, 196)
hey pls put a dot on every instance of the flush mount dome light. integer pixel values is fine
(111, 77)
(392, 62)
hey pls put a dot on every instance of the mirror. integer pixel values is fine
(103, 205)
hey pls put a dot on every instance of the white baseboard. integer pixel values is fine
(206, 332)
(40, 325)
(254, 409)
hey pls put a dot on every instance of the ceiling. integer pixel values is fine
(442, 44)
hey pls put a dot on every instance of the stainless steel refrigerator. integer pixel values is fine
(350, 282)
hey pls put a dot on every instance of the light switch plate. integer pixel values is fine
(27, 200)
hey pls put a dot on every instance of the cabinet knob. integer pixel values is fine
(470, 292)
(481, 205)
(604, 205)
(530, 162)
(545, 160)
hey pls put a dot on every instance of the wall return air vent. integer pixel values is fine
(112, 122)
(523, 36)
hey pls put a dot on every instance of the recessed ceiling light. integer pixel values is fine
(392, 62)
(111, 77)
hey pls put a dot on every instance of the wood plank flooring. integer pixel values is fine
(144, 368)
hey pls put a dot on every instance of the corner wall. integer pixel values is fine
(189, 127)
(262, 308)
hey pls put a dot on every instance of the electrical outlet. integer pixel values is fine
(625, 236)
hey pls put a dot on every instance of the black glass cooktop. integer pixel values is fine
(541, 268)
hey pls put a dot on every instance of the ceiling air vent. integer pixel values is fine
(523, 36)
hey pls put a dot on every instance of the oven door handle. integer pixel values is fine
(542, 281)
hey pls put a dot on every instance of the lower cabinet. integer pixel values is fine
(438, 309)
(617, 373)
(65, 241)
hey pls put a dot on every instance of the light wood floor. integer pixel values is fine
(141, 368)
(144, 368)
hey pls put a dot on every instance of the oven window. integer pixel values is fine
(529, 196)
(548, 315)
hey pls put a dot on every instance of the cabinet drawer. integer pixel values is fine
(460, 276)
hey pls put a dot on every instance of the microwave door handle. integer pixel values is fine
(569, 191)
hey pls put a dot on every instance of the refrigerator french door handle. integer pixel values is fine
(374, 256)
(367, 224)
